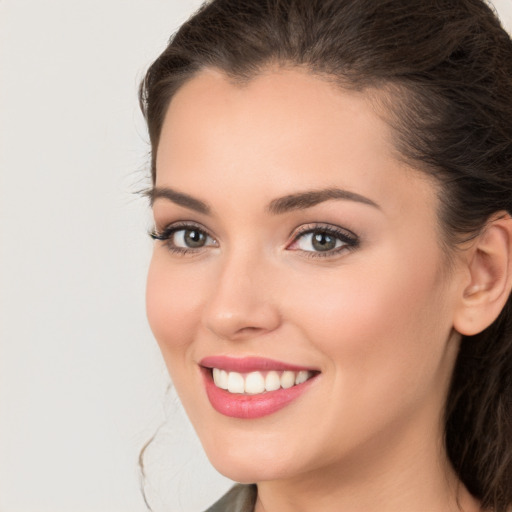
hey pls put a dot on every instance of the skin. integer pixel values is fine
(376, 320)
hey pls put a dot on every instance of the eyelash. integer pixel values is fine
(349, 240)
(167, 233)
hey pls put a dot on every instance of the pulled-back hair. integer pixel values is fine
(444, 68)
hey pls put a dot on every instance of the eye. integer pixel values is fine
(184, 238)
(189, 238)
(324, 240)
(318, 241)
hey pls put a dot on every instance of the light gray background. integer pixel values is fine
(82, 386)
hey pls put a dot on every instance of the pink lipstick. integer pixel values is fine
(253, 387)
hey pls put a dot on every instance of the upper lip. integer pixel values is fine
(249, 364)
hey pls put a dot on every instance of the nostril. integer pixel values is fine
(247, 332)
(249, 329)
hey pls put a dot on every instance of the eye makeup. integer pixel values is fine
(324, 240)
(321, 237)
(184, 237)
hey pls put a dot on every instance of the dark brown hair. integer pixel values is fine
(445, 67)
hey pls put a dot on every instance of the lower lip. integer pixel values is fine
(250, 407)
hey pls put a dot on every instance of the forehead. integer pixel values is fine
(282, 131)
(291, 103)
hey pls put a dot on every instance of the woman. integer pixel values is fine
(331, 278)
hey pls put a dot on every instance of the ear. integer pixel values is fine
(489, 277)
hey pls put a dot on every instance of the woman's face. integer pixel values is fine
(295, 245)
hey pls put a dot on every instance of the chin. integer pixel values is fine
(250, 465)
(246, 472)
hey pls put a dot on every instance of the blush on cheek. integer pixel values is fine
(369, 312)
(169, 313)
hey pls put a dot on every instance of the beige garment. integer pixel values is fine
(240, 498)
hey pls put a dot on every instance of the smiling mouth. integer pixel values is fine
(258, 382)
(253, 387)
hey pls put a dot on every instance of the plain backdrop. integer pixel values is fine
(82, 385)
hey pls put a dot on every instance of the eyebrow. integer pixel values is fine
(303, 200)
(297, 201)
(178, 198)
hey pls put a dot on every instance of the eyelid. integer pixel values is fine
(165, 235)
(350, 240)
(176, 226)
(319, 226)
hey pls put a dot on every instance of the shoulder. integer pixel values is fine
(240, 498)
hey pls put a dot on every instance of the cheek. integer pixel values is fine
(377, 321)
(383, 336)
(172, 303)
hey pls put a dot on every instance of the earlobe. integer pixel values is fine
(489, 265)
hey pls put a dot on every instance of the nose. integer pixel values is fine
(241, 303)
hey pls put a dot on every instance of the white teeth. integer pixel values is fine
(302, 376)
(224, 379)
(235, 382)
(272, 381)
(287, 380)
(220, 377)
(256, 382)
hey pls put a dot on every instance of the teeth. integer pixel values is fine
(256, 382)
(235, 382)
(220, 377)
(287, 380)
(272, 381)
(302, 376)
